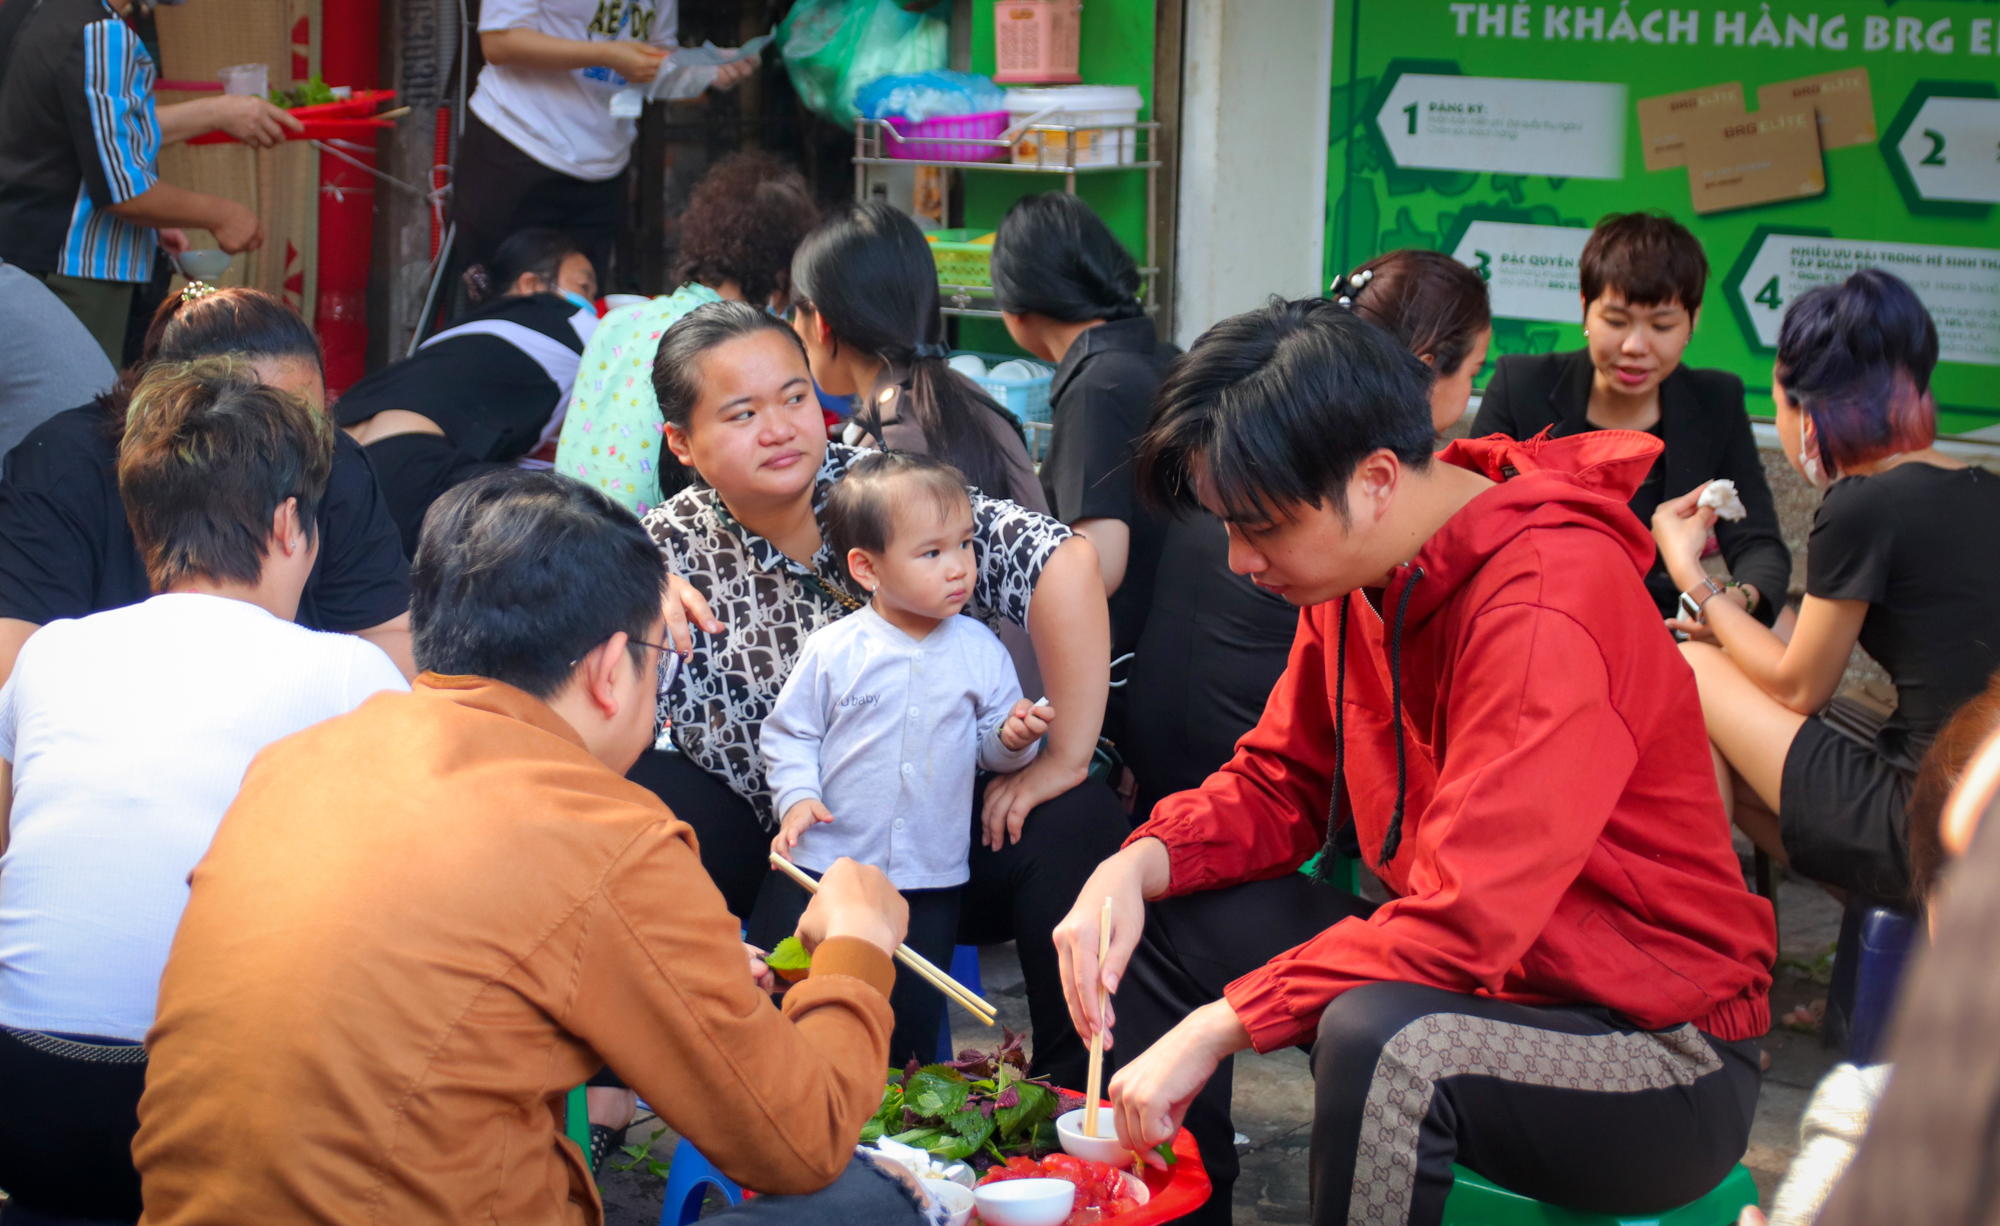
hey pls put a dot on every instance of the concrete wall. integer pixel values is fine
(1253, 148)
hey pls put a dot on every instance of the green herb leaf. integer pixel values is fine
(1166, 1150)
(871, 1131)
(790, 955)
(1037, 1104)
(917, 1136)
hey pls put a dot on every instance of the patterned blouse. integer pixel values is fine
(715, 707)
(611, 437)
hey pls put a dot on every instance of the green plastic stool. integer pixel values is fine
(576, 1120)
(1478, 1202)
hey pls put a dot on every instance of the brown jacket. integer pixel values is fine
(422, 923)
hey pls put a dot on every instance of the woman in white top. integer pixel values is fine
(541, 146)
(123, 738)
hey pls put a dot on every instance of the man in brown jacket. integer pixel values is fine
(420, 924)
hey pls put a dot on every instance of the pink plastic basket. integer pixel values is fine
(929, 140)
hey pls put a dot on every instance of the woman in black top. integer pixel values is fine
(1904, 557)
(1642, 278)
(1069, 294)
(1215, 643)
(487, 393)
(66, 549)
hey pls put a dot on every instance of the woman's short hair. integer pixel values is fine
(677, 365)
(744, 221)
(209, 454)
(1275, 408)
(1054, 256)
(860, 509)
(1649, 258)
(1856, 358)
(1428, 301)
(520, 574)
(537, 250)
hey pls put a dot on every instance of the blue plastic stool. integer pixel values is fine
(1886, 937)
(965, 969)
(689, 1177)
(1478, 1202)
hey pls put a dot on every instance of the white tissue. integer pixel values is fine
(1721, 497)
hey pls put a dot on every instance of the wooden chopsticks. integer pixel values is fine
(1096, 1077)
(925, 969)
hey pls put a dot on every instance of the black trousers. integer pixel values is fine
(497, 189)
(1019, 893)
(1566, 1104)
(66, 1129)
(933, 931)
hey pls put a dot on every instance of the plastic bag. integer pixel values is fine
(691, 70)
(834, 47)
(925, 95)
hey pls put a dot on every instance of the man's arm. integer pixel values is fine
(1539, 756)
(775, 1100)
(13, 636)
(164, 206)
(393, 637)
(254, 121)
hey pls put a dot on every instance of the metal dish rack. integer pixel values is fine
(1059, 150)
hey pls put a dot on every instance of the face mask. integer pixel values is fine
(1810, 463)
(580, 302)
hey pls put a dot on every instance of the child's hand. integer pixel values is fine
(797, 821)
(1025, 725)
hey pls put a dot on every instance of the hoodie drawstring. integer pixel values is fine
(1394, 839)
(1323, 869)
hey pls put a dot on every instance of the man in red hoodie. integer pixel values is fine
(1562, 992)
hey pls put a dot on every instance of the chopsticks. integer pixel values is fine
(1095, 1084)
(952, 988)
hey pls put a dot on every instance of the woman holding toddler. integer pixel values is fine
(755, 576)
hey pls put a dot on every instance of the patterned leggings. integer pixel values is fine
(1563, 1104)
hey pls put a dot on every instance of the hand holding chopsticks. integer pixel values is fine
(952, 989)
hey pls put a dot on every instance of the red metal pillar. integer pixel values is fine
(350, 54)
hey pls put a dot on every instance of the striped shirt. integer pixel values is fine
(78, 135)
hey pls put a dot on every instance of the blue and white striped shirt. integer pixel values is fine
(118, 86)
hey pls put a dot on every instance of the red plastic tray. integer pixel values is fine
(346, 119)
(1176, 1191)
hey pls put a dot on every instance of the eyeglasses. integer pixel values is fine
(666, 652)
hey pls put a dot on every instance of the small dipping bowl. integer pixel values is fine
(1025, 1202)
(956, 1199)
(202, 265)
(1103, 1148)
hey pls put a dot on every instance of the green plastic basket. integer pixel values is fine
(961, 261)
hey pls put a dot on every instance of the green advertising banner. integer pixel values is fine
(1798, 141)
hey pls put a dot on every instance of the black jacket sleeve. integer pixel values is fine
(1753, 546)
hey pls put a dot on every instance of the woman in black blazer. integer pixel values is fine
(1642, 280)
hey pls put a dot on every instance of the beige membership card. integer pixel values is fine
(1666, 122)
(1846, 109)
(1755, 159)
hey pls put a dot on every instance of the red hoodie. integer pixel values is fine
(1561, 838)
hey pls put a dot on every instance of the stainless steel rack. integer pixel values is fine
(1058, 154)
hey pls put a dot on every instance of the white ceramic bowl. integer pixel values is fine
(1025, 1202)
(1103, 1147)
(956, 1199)
(203, 265)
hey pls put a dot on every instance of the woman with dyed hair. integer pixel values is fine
(1904, 558)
